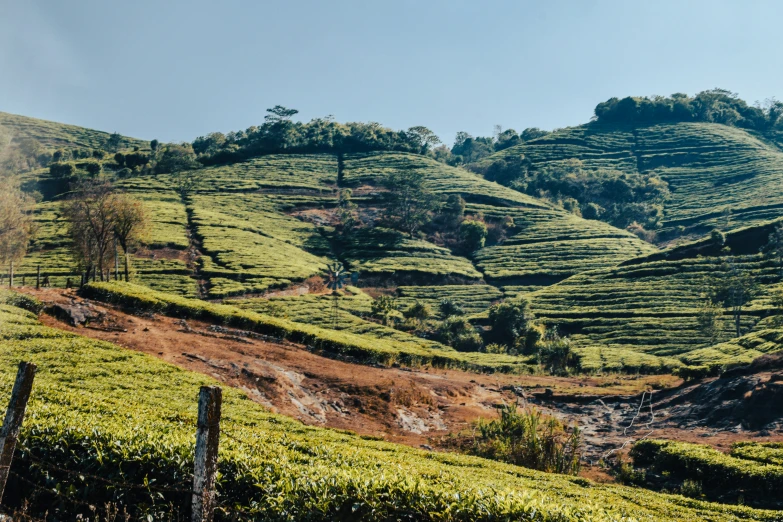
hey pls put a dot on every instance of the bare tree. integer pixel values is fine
(90, 212)
(130, 224)
(16, 224)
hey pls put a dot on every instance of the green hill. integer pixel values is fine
(719, 176)
(51, 135)
(643, 313)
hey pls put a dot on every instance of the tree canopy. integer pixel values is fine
(714, 105)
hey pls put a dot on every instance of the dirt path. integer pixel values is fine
(414, 407)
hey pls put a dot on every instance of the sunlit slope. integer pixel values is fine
(643, 313)
(53, 135)
(546, 244)
(719, 176)
(125, 406)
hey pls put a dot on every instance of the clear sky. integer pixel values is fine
(174, 70)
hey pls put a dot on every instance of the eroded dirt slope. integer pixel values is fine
(420, 406)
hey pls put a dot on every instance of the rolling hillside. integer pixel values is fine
(643, 313)
(719, 176)
(264, 223)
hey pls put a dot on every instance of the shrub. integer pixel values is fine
(458, 333)
(418, 311)
(23, 301)
(473, 234)
(528, 438)
(556, 355)
(61, 170)
(448, 307)
(508, 322)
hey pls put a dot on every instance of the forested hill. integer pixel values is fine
(663, 167)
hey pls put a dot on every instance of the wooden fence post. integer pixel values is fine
(38, 277)
(210, 400)
(13, 419)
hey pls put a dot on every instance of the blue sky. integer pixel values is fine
(175, 70)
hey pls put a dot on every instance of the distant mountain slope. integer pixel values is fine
(719, 176)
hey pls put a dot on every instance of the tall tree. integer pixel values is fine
(16, 224)
(735, 288)
(409, 203)
(774, 248)
(423, 138)
(130, 224)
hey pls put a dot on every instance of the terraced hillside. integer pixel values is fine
(643, 313)
(266, 223)
(719, 176)
(546, 245)
(270, 466)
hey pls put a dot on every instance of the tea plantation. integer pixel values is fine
(719, 176)
(96, 408)
(644, 311)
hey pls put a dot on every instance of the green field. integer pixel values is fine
(97, 407)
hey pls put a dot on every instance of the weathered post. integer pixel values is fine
(13, 419)
(38, 277)
(210, 400)
(11, 275)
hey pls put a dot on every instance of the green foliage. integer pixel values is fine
(528, 438)
(716, 174)
(418, 311)
(614, 196)
(383, 307)
(715, 105)
(458, 333)
(644, 314)
(388, 252)
(97, 407)
(473, 234)
(766, 452)
(409, 203)
(448, 307)
(708, 319)
(23, 301)
(720, 475)
(773, 249)
(556, 355)
(509, 323)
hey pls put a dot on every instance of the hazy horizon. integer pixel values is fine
(184, 69)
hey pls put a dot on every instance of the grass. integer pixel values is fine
(55, 135)
(100, 410)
